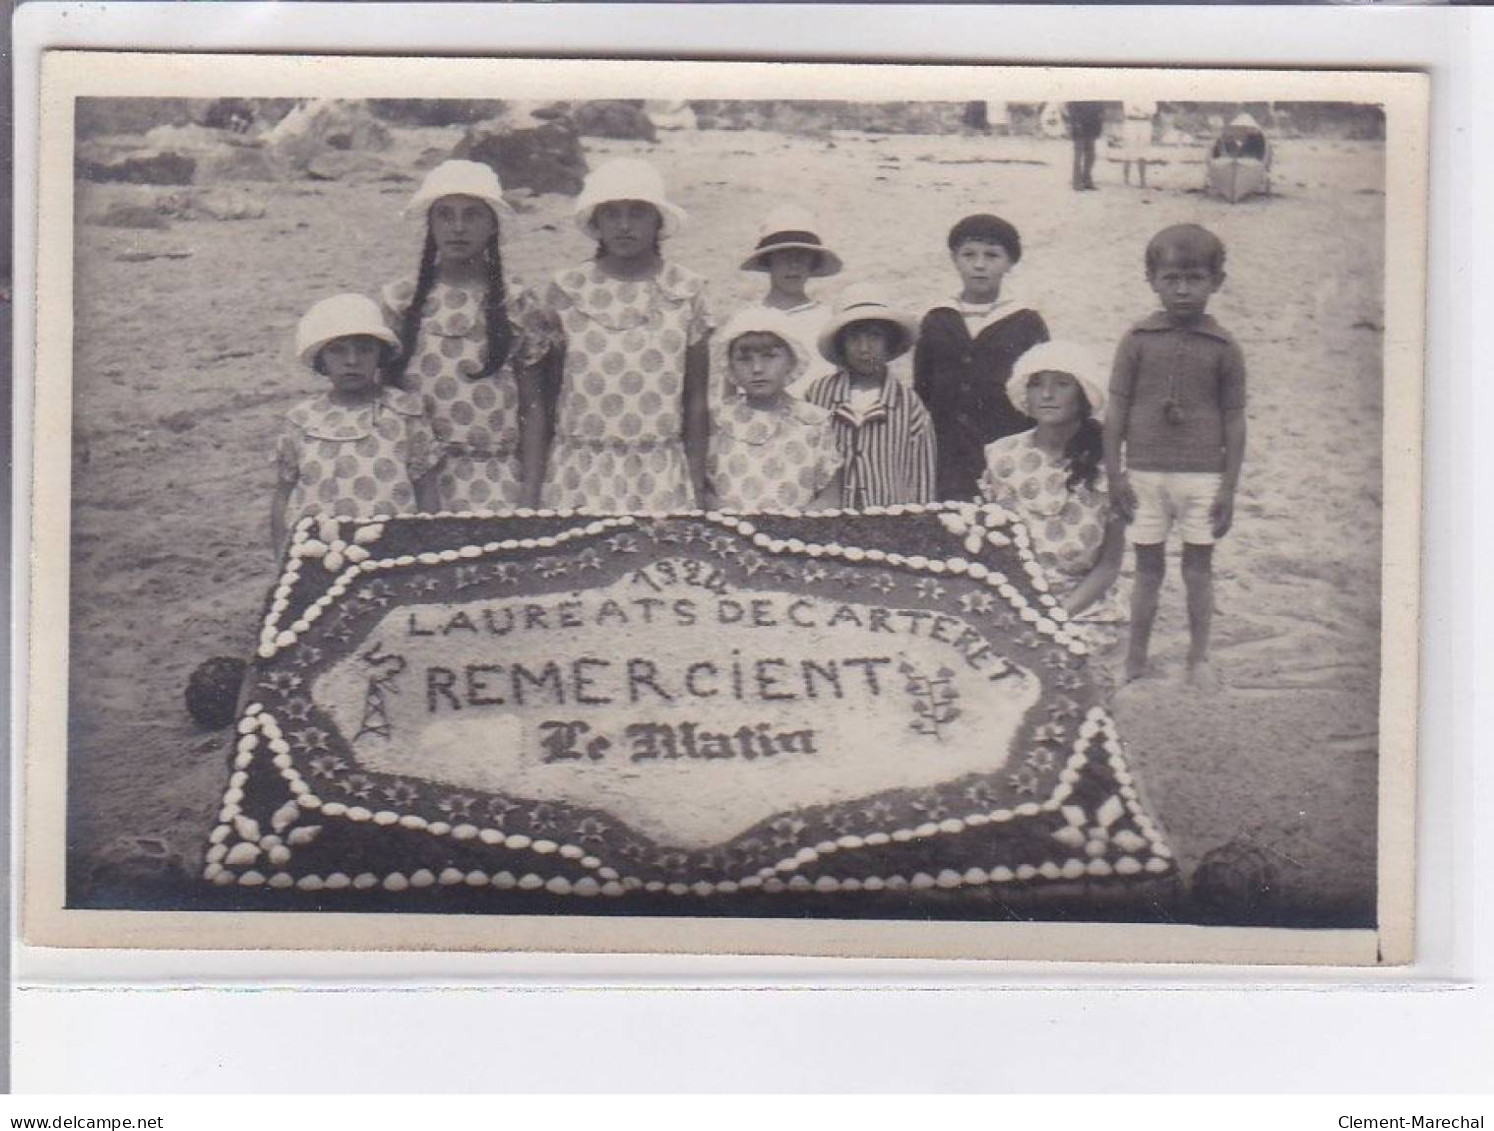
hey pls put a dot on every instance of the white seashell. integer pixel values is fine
(1099, 868)
(874, 883)
(279, 855)
(334, 809)
(529, 882)
(451, 876)
(544, 847)
(976, 876)
(247, 828)
(827, 884)
(412, 821)
(354, 554)
(1026, 871)
(949, 878)
(876, 840)
(303, 835)
(951, 825)
(1049, 870)
(395, 881)
(1127, 866)
(385, 817)
(1001, 874)
(250, 879)
(310, 883)
(922, 881)
(216, 853)
(475, 879)
(359, 813)
(571, 852)
(438, 828)
(800, 883)
(422, 878)
(517, 841)
(365, 880)
(282, 880)
(337, 880)
(504, 881)
(1072, 869)
(586, 886)
(613, 888)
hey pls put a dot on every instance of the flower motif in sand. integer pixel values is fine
(282, 681)
(358, 785)
(622, 544)
(977, 602)
(588, 559)
(311, 738)
(327, 765)
(401, 793)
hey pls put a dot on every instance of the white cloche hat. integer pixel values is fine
(459, 178)
(1059, 357)
(340, 316)
(627, 178)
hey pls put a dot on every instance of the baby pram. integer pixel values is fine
(1240, 162)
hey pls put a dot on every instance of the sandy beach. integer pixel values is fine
(183, 365)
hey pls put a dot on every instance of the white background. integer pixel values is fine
(637, 1024)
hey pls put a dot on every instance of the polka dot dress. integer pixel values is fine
(358, 461)
(1067, 525)
(618, 444)
(768, 459)
(476, 419)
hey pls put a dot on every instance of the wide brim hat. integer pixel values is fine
(627, 178)
(789, 227)
(459, 178)
(763, 320)
(341, 316)
(865, 304)
(1059, 357)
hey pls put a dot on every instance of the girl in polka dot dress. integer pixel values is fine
(770, 450)
(632, 422)
(1052, 477)
(360, 448)
(472, 344)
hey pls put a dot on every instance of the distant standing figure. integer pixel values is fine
(966, 349)
(1136, 139)
(1086, 123)
(1177, 414)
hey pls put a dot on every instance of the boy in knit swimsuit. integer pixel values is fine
(1177, 411)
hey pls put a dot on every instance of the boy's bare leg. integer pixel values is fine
(1198, 582)
(1151, 565)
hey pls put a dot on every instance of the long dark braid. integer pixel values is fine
(1085, 450)
(500, 329)
(409, 325)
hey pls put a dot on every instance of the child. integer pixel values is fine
(882, 429)
(632, 423)
(359, 449)
(1051, 476)
(471, 344)
(966, 351)
(790, 250)
(1177, 409)
(769, 448)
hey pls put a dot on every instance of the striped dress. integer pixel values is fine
(888, 447)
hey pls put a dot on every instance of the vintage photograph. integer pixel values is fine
(726, 507)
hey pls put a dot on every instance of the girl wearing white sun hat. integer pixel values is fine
(1053, 477)
(631, 420)
(791, 251)
(473, 343)
(360, 448)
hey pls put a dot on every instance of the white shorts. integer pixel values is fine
(1165, 499)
